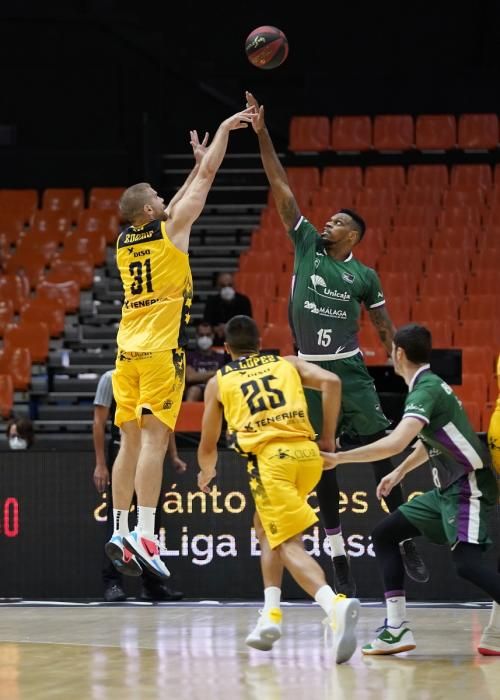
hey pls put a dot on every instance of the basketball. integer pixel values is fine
(266, 47)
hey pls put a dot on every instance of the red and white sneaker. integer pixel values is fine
(147, 552)
(122, 559)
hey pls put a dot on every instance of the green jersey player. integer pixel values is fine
(328, 288)
(454, 513)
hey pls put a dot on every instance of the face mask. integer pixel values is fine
(227, 293)
(205, 342)
(17, 443)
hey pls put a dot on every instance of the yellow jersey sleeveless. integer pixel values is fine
(157, 288)
(263, 400)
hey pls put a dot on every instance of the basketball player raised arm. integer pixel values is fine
(190, 205)
(199, 150)
(286, 203)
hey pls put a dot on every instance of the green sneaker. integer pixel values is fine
(391, 640)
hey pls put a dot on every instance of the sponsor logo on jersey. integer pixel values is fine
(140, 253)
(347, 277)
(318, 281)
(325, 310)
(136, 237)
(414, 407)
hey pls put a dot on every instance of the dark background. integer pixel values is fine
(91, 88)
(58, 550)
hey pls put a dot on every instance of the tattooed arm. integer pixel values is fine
(383, 324)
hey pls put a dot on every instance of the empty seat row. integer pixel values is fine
(71, 201)
(441, 132)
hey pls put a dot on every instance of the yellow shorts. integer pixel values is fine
(152, 380)
(281, 477)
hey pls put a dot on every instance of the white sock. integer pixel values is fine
(337, 544)
(272, 597)
(146, 521)
(396, 609)
(325, 597)
(494, 622)
(120, 520)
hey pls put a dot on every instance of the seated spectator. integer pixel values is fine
(20, 434)
(201, 364)
(226, 304)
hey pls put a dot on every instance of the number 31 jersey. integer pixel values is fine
(157, 289)
(263, 400)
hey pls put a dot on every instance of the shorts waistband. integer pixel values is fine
(327, 358)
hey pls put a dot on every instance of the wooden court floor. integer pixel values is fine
(195, 651)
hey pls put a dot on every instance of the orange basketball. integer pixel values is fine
(266, 47)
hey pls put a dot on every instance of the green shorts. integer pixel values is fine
(361, 413)
(459, 513)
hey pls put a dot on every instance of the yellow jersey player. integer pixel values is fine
(494, 429)
(148, 382)
(263, 400)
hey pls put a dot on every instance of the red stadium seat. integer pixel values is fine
(11, 227)
(76, 245)
(6, 315)
(303, 177)
(335, 198)
(398, 309)
(34, 336)
(105, 198)
(21, 203)
(350, 177)
(17, 362)
(16, 288)
(440, 308)
(473, 411)
(471, 176)
(400, 284)
(401, 259)
(376, 197)
(68, 201)
(277, 337)
(416, 195)
(351, 134)
(68, 292)
(390, 177)
(6, 395)
(486, 259)
(445, 283)
(435, 132)
(473, 332)
(440, 261)
(416, 215)
(394, 132)
(31, 263)
(277, 311)
(410, 237)
(52, 312)
(486, 282)
(309, 134)
(467, 198)
(483, 307)
(435, 176)
(474, 387)
(478, 132)
(99, 221)
(442, 333)
(371, 346)
(456, 236)
(49, 226)
(478, 360)
(190, 417)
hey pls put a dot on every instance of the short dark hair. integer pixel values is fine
(416, 341)
(24, 428)
(360, 224)
(132, 201)
(242, 334)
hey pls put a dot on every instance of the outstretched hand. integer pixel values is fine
(258, 122)
(240, 120)
(199, 149)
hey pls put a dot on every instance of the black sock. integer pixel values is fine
(328, 500)
(386, 538)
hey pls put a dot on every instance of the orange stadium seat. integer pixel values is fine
(478, 132)
(416, 215)
(409, 237)
(468, 198)
(31, 263)
(68, 292)
(11, 227)
(370, 345)
(309, 134)
(478, 360)
(474, 387)
(350, 177)
(388, 176)
(22, 203)
(277, 311)
(277, 337)
(284, 285)
(105, 198)
(473, 411)
(442, 333)
(486, 259)
(190, 416)
(76, 245)
(402, 259)
(17, 362)
(417, 195)
(80, 269)
(267, 261)
(473, 332)
(446, 283)
(435, 132)
(6, 395)
(351, 134)
(435, 176)
(393, 132)
(376, 197)
(480, 307)
(403, 284)
(256, 284)
(439, 308)
(69, 201)
(99, 221)
(16, 288)
(49, 226)
(303, 177)
(471, 176)
(445, 259)
(456, 236)
(33, 335)
(487, 282)
(6, 314)
(52, 312)
(496, 175)
(398, 309)
(336, 198)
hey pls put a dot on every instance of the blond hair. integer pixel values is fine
(133, 200)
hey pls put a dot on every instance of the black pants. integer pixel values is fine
(328, 488)
(109, 574)
(467, 558)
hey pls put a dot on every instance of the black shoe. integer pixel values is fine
(160, 593)
(413, 562)
(343, 581)
(114, 593)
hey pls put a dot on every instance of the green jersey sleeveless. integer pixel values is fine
(326, 297)
(453, 446)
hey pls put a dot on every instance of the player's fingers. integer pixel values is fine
(205, 140)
